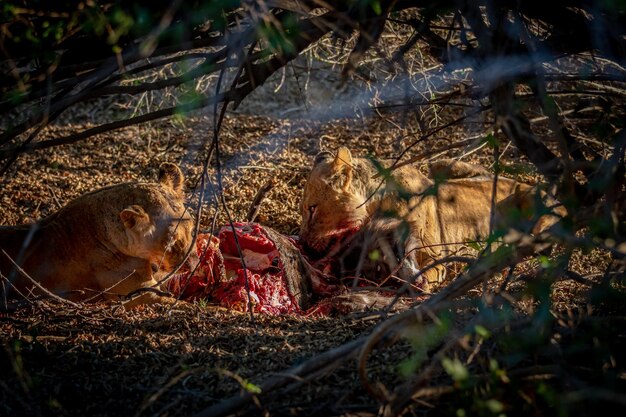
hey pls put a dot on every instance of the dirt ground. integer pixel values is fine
(99, 360)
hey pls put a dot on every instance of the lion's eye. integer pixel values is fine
(312, 211)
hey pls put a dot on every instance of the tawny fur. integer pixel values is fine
(104, 244)
(343, 193)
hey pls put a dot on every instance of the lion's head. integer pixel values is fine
(157, 225)
(333, 200)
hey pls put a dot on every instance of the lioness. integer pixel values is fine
(342, 194)
(104, 244)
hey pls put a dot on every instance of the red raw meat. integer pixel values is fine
(279, 279)
(250, 235)
(268, 294)
(198, 283)
(221, 277)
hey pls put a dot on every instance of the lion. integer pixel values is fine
(105, 244)
(403, 214)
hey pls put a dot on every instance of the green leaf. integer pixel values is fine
(251, 388)
(490, 140)
(455, 369)
(545, 261)
(377, 7)
(494, 406)
(474, 245)
(482, 332)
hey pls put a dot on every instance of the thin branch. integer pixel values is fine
(255, 205)
(37, 284)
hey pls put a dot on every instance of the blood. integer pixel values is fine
(248, 272)
(221, 274)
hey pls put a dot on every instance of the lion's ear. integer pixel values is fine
(171, 176)
(343, 157)
(134, 216)
(342, 167)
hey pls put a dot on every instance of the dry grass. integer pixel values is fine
(100, 361)
(154, 361)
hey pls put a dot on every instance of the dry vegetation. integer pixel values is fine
(158, 361)
(534, 339)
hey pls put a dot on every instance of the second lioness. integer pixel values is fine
(342, 194)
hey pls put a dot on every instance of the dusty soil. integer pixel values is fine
(99, 360)
(150, 361)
